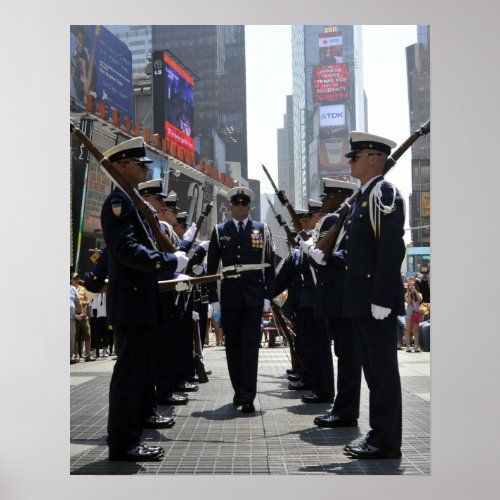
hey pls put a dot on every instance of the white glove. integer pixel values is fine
(182, 261)
(215, 306)
(197, 269)
(267, 305)
(305, 245)
(196, 316)
(189, 234)
(317, 255)
(379, 312)
(182, 287)
(204, 245)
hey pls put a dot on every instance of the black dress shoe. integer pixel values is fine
(361, 442)
(299, 386)
(293, 377)
(174, 399)
(289, 371)
(330, 420)
(158, 422)
(248, 408)
(237, 401)
(195, 379)
(313, 398)
(187, 387)
(369, 451)
(141, 453)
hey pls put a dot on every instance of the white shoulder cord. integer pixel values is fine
(377, 207)
(265, 248)
(317, 229)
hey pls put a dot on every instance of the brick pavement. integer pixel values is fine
(211, 436)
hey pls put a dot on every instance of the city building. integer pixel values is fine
(418, 70)
(286, 180)
(328, 102)
(216, 55)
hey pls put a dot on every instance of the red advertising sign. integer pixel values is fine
(331, 83)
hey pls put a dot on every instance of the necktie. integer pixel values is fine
(240, 227)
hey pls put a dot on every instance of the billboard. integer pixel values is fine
(330, 48)
(101, 65)
(332, 116)
(173, 104)
(331, 83)
(426, 204)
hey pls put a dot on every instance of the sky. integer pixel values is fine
(269, 81)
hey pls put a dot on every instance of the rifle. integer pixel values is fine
(199, 222)
(144, 208)
(197, 351)
(327, 243)
(282, 324)
(283, 224)
(284, 201)
(183, 284)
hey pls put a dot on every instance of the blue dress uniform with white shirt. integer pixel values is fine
(246, 257)
(374, 252)
(134, 310)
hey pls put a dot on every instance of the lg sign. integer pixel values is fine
(332, 116)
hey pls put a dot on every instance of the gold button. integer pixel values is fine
(347, 237)
(238, 256)
(239, 246)
(360, 215)
(348, 222)
(368, 275)
(346, 268)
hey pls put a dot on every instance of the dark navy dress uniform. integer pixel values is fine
(373, 276)
(328, 305)
(134, 311)
(289, 277)
(242, 297)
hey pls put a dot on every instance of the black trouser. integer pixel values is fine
(319, 354)
(302, 342)
(242, 333)
(130, 387)
(167, 358)
(346, 404)
(377, 340)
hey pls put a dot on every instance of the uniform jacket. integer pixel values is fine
(373, 264)
(134, 264)
(329, 293)
(288, 277)
(230, 248)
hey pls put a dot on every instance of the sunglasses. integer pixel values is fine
(241, 202)
(356, 156)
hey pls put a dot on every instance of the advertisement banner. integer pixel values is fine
(101, 66)
(332, 153)
(426, 204)
(330, 48)
(332, 116)
(331, 83)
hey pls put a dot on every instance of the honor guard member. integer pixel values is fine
(167, 362)
(183, 360)
(319, 358)
(289, 277)
(245, 251)
(133, 305)
(328, 306)
(373, 294)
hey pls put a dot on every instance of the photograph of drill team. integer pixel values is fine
(341, 281)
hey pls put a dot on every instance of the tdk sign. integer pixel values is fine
(332, 116)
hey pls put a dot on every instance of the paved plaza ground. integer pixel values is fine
(211, 436)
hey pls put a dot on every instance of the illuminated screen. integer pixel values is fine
(179, 104)
(331, 83)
